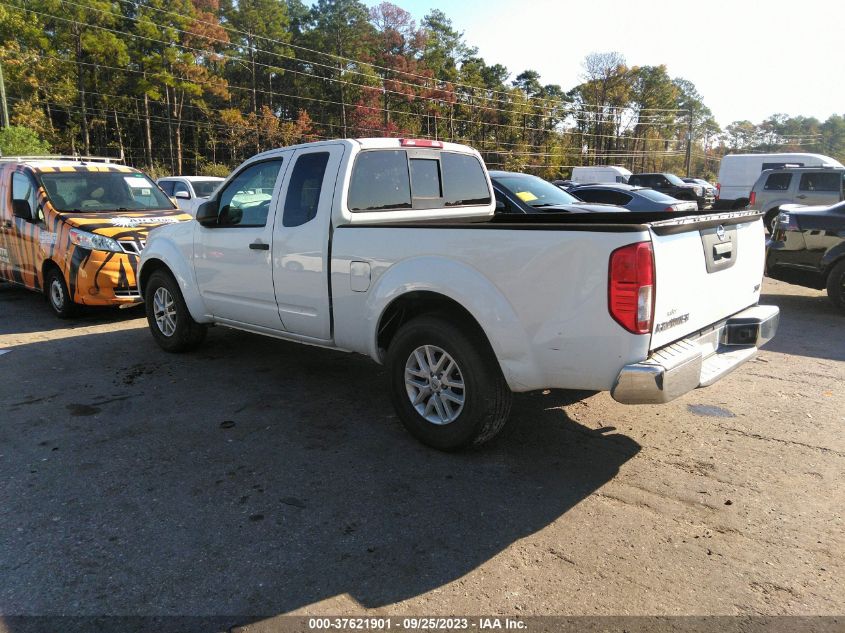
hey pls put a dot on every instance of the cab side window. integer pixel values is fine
(246, 200)
(303, 195)
(24, 188)
(167, 186)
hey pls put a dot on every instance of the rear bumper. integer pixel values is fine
(698, 360)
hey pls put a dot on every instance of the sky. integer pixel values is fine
(748, 59)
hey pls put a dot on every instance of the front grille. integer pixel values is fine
(132, 247)
(128, 293)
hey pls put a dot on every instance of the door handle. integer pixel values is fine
(259, 246)
(721, 251)
(801, 197)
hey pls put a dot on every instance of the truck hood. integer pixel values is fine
(117, 223)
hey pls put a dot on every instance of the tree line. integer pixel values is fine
(196, 86)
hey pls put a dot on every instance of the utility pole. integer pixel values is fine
(3, 99)
(689, 144)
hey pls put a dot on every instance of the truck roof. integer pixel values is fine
(373, 143)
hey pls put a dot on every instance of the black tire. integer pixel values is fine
(186, 334)
(836, 286)
(486, 396)
(58, 295)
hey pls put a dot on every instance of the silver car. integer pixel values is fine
(631, 197)
(795, 185)
(189, 191)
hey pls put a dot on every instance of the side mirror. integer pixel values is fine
(21, 209)
(182, 195)
(500, 206)
(207, 213)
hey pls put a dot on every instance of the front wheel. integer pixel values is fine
(446, 384)
(58, 295)
(836, 286)
(171, 324)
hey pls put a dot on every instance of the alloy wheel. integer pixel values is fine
(434, 384)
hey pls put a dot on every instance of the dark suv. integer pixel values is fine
(673, 186)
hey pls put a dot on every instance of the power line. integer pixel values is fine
(524, 128)
(277, 54)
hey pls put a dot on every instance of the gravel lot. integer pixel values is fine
(261, 477)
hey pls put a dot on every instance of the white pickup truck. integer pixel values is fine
(390, 248)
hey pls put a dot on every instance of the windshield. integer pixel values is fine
(674, 179)
(655, 196)
(534, 191)
(204, 188)
(104, 191)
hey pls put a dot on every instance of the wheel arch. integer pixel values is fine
(831, 258)
(164, 256)
(417, 303)
(436, 284)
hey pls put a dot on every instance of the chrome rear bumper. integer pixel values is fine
(698, 360)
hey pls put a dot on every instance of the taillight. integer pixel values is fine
(752, 198)
(671, 207)
(630, 287)
(787, 222)
(718, 190)
(420, 142)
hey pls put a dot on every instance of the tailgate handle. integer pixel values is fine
(722, 251)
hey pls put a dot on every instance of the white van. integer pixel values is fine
(600, 174)
(739, 172)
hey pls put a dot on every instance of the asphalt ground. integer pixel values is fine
(256, 477)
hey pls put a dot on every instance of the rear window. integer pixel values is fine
(390, 180)
(464, 182)
(204, 188)
(655, 196)
(603, 196)
(821, 181)
(425, 176)
(778, 182)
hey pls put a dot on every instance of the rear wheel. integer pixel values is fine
(446, 384)
(836, 285)
(171, 325)
(58, 296)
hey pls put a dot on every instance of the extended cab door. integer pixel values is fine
(301, 241)
(232, 259)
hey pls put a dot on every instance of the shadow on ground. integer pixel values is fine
(256, 477)
(39, 318)
(800, 315)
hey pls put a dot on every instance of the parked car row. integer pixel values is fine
(392, 248)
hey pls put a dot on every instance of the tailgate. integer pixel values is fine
(707, 268)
